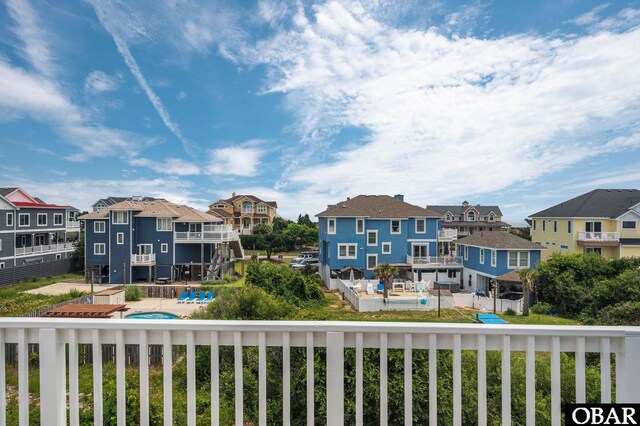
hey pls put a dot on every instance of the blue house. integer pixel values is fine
(148, 240)
(490, 255)
(366, 230)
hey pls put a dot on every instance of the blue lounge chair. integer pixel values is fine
(191, 298)
(380, 288)
(183, 297)
(201, 297)
(209, 298)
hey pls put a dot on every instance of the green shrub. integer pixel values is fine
(246, 303)
(34, 279)
(132, 293)
(542, 308)
(510, 312)
(75, 293)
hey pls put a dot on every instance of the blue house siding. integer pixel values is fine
(91, 238)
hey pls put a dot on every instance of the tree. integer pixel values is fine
(78, 251)
(261, 229)
(270, 242)
(528, 278)
(385, 273)
(279, 224)
(305, 220)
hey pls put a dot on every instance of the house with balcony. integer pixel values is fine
(243, 212)
(133, 241)
(468, 219)
(111, 200)
(602, 221)
(33, 231)
(491, 255)
(366, 230)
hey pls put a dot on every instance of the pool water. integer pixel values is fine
(152, 315)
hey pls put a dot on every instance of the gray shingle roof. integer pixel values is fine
(609, 203)
(499, 240)
(376, 206)
(6, 191)
(109, 201)
(460, 209)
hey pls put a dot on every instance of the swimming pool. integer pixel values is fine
(152, 315)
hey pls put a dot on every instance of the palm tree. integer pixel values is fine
(385, 273)
(528, 278)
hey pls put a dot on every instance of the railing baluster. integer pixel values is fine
(120, 380)
(23, 378)
(506, 380)
(143, 355)
(457, 380)
(74, 406)
(215, 380)
(3, 381)
(262, 373)
(167, 377)
(310, 381)
(605, 370)
(286, 379)
(555, 380)
(237, 358)
(530, 379)
(335, 378)
(408, 379)
(191, 378)
(384, 399)
(96, 349)
(581, 391)
(482, 380)
(359, 378)
(433, 380)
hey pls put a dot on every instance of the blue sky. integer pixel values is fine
(521, 104)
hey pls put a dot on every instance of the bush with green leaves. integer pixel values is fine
(132, 293)
(246, 303)
(541, 308)
(285, 282)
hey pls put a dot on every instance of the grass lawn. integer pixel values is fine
(538, 319)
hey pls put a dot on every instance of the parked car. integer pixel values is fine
(297, 260)
(304, 262)
(309, 254)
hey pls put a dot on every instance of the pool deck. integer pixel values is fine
(163, 305)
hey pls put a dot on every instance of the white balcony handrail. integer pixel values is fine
(53, 336)
(434, 260)
(43, 249)
(598, 236)
(72, 224)
(215, 233)
(143, 259)
(447, 233)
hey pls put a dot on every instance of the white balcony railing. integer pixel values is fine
(143, 259)
(599, 236)
(210, 233)
(448, 234)
(59, 339)
(433, 261)
(73, 224)
(42, 249)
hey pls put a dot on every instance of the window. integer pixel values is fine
(482, 256)
(120, 218)
(42, 219)
(492, 218)
(534, 224)
(98, 227)
(164, 248)
(347, 251)
(569, 227)
(262, 208)
(593, 226)
(120, 238)
(544, 225)
(247, 207)
(145, 248)
(466, 252)
(596, 250)
(9, 219)
(555, 226)
(99, 249)
(359, 226)
(372, 238)
(163, 224)
(1, 265)
(564, 247)
(57, 219)
(395, 226)
(629, 224)
(0, 245)
(518, 259)
(471, 216)
(421, 226)
(23, 219)
(386, 248)
(58, 256)
(331, 226)
(448, 217)
(372, 261)
(493, 258)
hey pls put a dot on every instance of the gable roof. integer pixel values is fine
(154, 208)
(460, 209)
(33, 202)
(251, 197)
(110, 200)
(499, 240)
(376, 206)
(607, 203)
(6, 191)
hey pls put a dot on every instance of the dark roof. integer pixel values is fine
(6, 191)
(376, 206)
(220, 213)
(609, 203)
(498, 240)
(475, 223)
(511, 276)
(109, 201)
(460, 209)
(251, 197)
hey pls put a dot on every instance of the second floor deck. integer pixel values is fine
(444, 262)
(208, 234)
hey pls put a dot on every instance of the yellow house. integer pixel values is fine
(604, 221)
(243, 212)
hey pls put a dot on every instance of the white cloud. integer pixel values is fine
(168, 166)
(234, 161)
(99, 82)
(591, 16)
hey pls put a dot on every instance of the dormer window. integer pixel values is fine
(448, 217)
(471, 217)
(262, 208)
(492, 218)
(247, 207)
